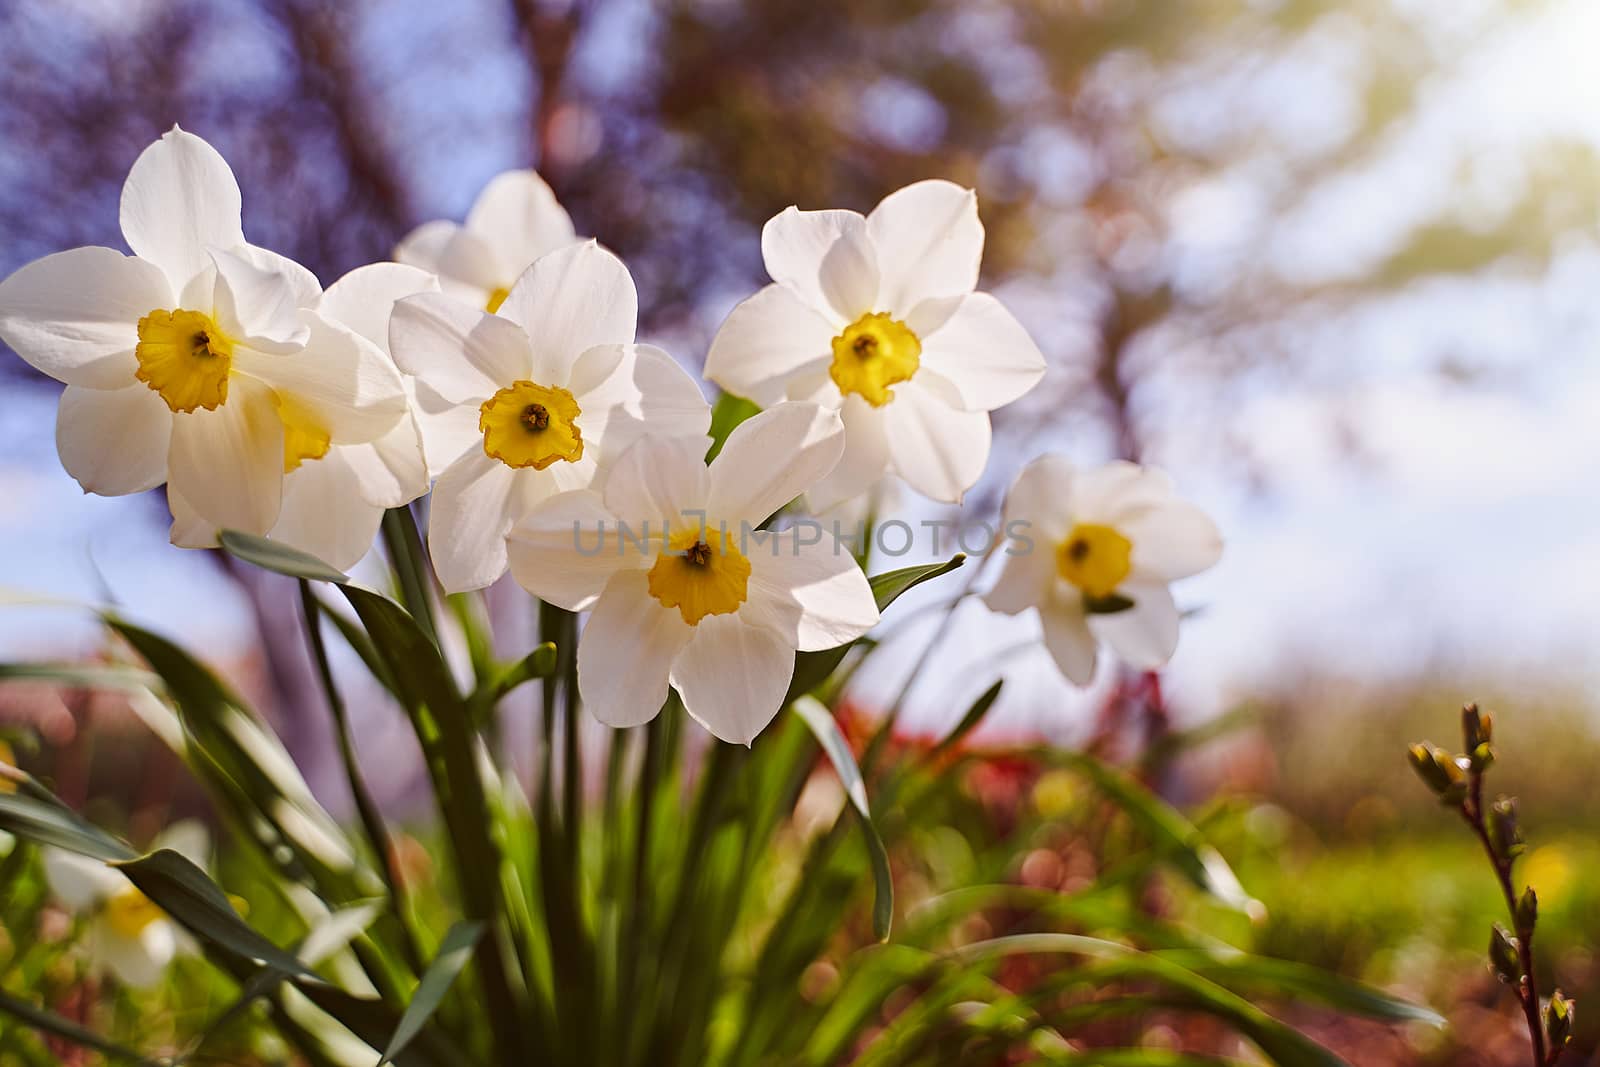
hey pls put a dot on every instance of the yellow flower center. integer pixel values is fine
(873, 353)
(129, 911)
(701, 573)
(303, 436)
(496, 298)
(184, 356)
(528, 425)
(1095, 558)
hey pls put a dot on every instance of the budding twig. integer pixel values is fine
(1458, 782)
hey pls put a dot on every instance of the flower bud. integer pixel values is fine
(1439, 771)
(1504, 832)
(1477, 734)
(1527, 912)
(1503, 956)
(1559, 1016)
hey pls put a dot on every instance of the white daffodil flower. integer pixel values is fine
(196, 361)
(127, 933)
(514, 221)
(876, 316)
(1093, 550)
(544, 394)
(333, 504)
(683, 593)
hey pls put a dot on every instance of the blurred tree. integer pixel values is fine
(1151, 174)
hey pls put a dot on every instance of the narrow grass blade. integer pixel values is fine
(454, 952)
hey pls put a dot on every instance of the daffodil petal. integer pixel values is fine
(75, 315)
(364, 299)
(466, 266)
(448, 429)
(771, 458)
(1105, 494)
(78, 881)
(390, 471)
(825, 258)
(569, 301)
(228, 463)
(1070, 642)
(180, 199)
(113, 441)
(768, 339)
(1025, 578)
(657, 481)
(984, 353)
(519, 219)
(929, 243)
(733, 676)
(137, 962)
(644, 391)
(475, 502)
(300, 280)
(627, 650)
(462, 354)
(324, 513)
(805, 585)
(567, 548)
(1146, 635)
(256, 305)
(1173, 540)
(937, 448)
(864, 461)
(340, 380)
(1042, 498)
(189, 528)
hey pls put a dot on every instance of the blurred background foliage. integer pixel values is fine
(1156, 180)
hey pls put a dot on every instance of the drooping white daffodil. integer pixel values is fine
(127, 934)
(545, 394)
(196, 361)
(333, 504)
(876, 316)
(684, 591)
(1094, 551)
(514, 221)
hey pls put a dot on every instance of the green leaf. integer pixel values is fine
(811, 669)
(327, 937)
(1174, 836)
(279, 558)
(454, 951)
(46, 823)
(440, 715)
(817, 717)
(540, 663)
(1282, 1044)
(246, 764)
(887, 588)
(77, 675)
(726, 415)
(1275, 976)
(969, 721)
(51, 1023)
(194, 901)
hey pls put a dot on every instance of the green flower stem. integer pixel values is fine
(371, 817)
(410, 561)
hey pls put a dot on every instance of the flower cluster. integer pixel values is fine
(496, 365)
